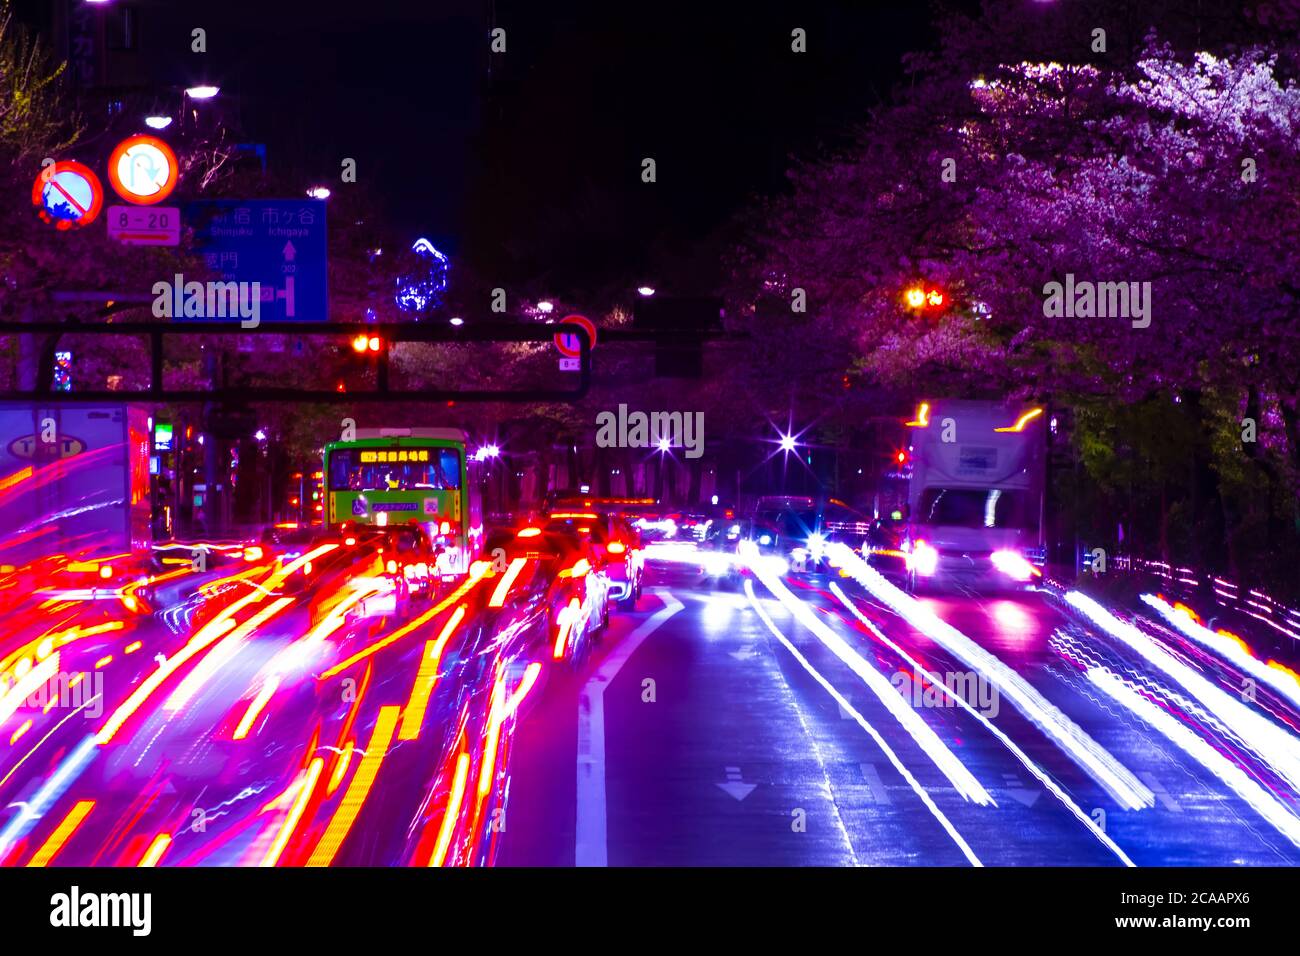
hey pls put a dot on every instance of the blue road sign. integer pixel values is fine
(279, 243)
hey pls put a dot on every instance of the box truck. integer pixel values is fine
(976, 497)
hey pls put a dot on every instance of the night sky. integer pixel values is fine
(529, 161)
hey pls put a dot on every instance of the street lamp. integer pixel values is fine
(645, 290)
(157, 122)
(318, 192)
(787, 443)
(202, 92)
(457, 320)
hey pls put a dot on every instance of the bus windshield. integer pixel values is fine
(372, 469)
(977, 508)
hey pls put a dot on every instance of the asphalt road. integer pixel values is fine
(811, 720)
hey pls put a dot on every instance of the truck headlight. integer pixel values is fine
(923, 559)
(1013, 565)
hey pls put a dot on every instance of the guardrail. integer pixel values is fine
(1191, 584)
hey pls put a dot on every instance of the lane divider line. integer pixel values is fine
(590, 835)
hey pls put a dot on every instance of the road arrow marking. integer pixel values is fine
(734, 787)
(1163, 795)
(1017, 791)
(875, 786)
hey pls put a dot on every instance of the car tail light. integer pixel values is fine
(923, 559)
(529, 532)
(1013, 565)
(617, 547)
(580, 569)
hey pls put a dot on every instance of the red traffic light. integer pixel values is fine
(920, 297)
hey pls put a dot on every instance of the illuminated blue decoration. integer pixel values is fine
(62, 371)
(424, 289)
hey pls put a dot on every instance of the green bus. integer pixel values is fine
(391, 477)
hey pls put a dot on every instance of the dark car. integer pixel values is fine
(883, 547)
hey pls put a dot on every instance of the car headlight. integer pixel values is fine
(716, 565)
(776, 564)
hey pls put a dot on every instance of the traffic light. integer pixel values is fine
(922, 297)
(681, 325)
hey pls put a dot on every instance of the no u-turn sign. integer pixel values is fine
(569, 346)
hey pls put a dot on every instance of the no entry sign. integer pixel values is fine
(68, 194)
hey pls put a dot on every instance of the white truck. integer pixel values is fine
(976, 498)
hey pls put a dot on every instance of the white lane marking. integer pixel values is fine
(862, 722)
(1039, 773)
(590, 846)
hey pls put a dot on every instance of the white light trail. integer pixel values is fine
(1279, 749)
(875, 735)
(1020, 755)
(1114, 777)
(921, 732)
(1226, 648)
(1233, 776)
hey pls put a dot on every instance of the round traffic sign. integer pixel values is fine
(68, 194)
(143, 170)
(568, 344)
